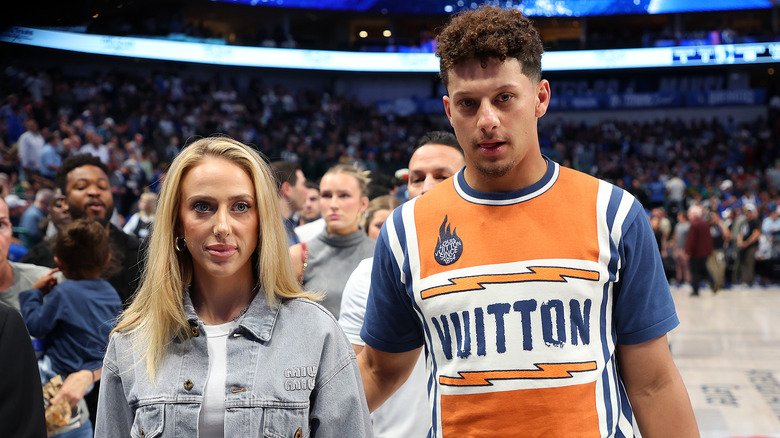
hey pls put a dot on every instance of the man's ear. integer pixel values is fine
(542, 97)
(284, 190)
(447, 110)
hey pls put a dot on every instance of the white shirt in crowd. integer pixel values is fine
(307, 232)
(406, 413)
(30, 148)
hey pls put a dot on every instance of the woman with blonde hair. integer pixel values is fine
(379, 209)
(220, 340)
(324, 263)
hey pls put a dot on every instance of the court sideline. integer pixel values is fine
(727, 348)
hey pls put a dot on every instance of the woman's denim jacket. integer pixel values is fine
(290, 373)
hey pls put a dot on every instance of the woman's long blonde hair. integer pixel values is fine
(156, 315)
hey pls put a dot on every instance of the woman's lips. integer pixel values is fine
(222, 250)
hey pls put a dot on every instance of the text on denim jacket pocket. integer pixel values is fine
(300, 378)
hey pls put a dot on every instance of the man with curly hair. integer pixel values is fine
(538, 291)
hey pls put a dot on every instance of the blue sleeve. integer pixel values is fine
(40, 317)
(391, 323)
(27, 221)
(644, 308)
(114, 415)
(339, 390)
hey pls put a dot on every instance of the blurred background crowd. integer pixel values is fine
(697, 145)
(137, 124)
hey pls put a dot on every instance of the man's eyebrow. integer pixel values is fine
(509, 86)
(436, 169)
(90, 179)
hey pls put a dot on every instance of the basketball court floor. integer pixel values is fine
(727, 348)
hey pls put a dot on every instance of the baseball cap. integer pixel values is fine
(14, 201)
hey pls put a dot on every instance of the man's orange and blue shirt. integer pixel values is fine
(520, 300)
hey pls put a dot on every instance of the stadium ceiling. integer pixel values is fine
(546, 8)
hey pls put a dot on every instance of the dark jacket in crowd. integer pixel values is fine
(698, 244)
(21, 403)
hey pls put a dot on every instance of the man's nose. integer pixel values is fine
(428, 184)
(488, 119)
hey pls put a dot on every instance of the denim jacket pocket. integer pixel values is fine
(148, 422)
(286, 423)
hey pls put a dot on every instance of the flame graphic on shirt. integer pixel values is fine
(536, 273)
(449, 247)
(542, 371)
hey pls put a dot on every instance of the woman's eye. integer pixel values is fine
(242, 207)
(200, 207)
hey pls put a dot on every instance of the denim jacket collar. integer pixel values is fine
(259, 319)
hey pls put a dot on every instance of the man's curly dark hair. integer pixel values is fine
(490, 32)
(73, 162)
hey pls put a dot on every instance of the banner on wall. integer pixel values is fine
(267, 57)
(625, 101)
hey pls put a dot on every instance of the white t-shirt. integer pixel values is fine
(406, 413)
(676, 188)
(307, 232)
(211, 422)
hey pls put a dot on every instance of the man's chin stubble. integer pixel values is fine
(494, 171)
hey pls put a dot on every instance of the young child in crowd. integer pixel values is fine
(78, 314)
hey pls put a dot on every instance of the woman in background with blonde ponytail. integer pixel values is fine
(324, 263)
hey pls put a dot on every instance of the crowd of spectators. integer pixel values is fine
(137, 124)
